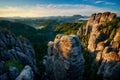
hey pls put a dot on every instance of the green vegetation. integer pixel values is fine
(91, 68)
(112, 33)
(69, 28)
(18, 28)
(84, 39)
(5, 29)
(13, 63)
(110, 28)
(21, 37)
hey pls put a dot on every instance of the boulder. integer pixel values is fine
(4, 76)
(13, 72)
(26, 74)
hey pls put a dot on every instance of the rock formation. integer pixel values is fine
(26, 74)
(13, 72)
(13, 51)
(104, 50)
(65, 59)
(94, 24)
(98, 19)
(110, 60)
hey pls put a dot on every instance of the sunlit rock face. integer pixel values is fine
(104, 50)
(113, 59)
(110, 65)
(17, 49)
(96, 34)
(65, 59)
(109, 56)
(98, 19)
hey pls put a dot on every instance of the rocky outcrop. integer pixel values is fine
(103, 49)
(81, 30)
(95, 23)
(65, 59)
(110, 60)
(26, 74)
(13, 72)
(13, 51)
(98, 19)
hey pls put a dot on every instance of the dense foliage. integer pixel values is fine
(69, 28)
(14, 63)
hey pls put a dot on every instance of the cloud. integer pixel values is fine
(104, 2)
(98, 2)
(110, 3)
(50, 10)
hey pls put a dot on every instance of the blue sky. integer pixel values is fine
(39, 8)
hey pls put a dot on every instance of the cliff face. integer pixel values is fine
(109, 56)
(15, 53)
(94, 26)
(98, 19)
(65, 59)
(102, 47)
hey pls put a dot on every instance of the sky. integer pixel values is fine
(42, 8)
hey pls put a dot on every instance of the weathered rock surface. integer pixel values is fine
(15, 48)
(65, 59)
(105, 51)
(13, 72)
(4, 76)
(97, 35)
(98, 19)
(110, 66)
(26, 74)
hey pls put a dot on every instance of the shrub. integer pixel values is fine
(14, 63)
(112, 33)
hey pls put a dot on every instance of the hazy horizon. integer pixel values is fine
(45, 8)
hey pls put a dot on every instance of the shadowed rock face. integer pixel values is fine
(26, 74)
(65, 58)
(14, 48)
(110, 65)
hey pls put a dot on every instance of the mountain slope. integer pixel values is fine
(18, 28)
